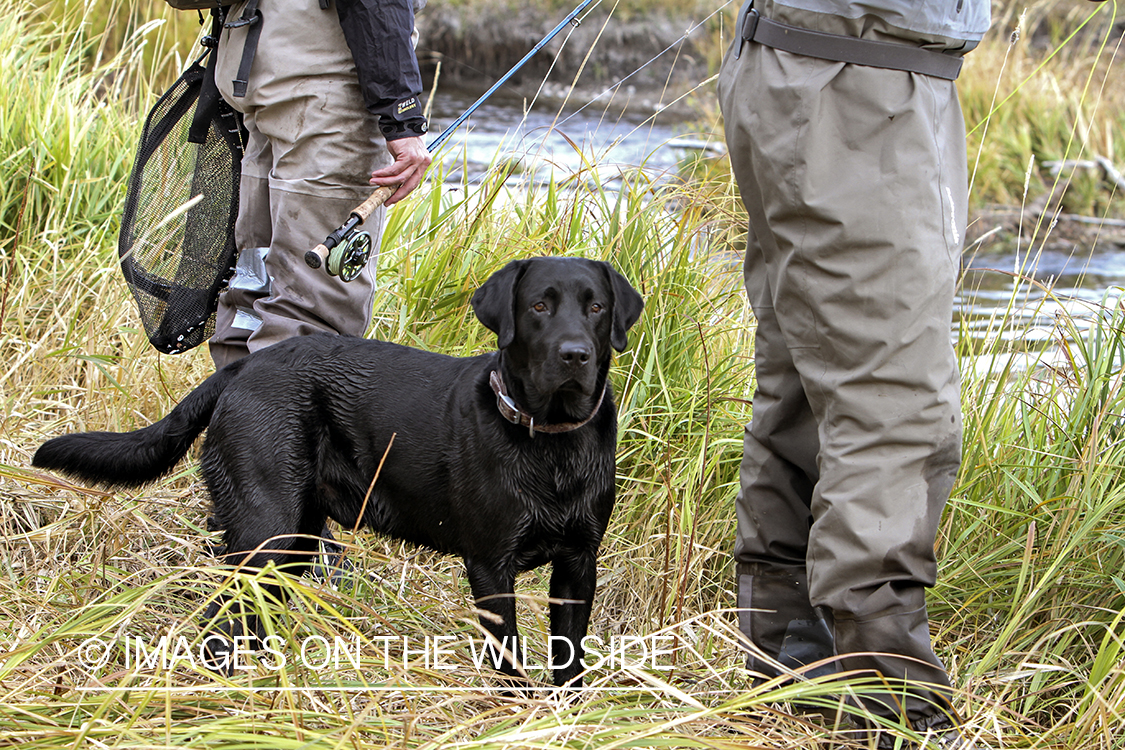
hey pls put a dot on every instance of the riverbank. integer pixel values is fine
(656, 57)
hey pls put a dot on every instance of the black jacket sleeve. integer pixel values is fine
(378, 33)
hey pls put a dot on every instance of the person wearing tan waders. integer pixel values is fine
(848, 146)
(329, 92)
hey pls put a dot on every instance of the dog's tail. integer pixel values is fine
(131, 459)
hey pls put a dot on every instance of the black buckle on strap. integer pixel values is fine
(750, 23)
(244, 21)
(249, 18)
(748, 16)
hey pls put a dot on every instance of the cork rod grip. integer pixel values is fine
(376, 199)
(318, 256)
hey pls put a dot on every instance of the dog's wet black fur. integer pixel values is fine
(296, 431)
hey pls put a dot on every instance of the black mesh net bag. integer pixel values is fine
(176, 243)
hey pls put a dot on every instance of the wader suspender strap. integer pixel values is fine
(251, 17)
(846, 49)
(208, 92)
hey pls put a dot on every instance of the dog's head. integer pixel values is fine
(556, 320)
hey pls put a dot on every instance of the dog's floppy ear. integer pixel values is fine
(494, 302)
(627, 306)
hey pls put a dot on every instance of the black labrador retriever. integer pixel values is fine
(506, 459)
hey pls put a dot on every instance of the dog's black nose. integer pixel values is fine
(574, 353)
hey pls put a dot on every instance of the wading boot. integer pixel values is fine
(775, 615)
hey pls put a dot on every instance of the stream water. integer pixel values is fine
(548, 139)
(1035, 298)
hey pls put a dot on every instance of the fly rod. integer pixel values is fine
(345, 252)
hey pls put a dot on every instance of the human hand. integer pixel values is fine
(411, 158)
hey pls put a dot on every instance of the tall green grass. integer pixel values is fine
(1032, 545)
(1028, 611)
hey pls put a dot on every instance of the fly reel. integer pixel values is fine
(348, 258)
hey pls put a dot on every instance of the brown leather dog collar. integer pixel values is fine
(515, 415)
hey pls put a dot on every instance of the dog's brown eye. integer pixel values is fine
(539, 307)
(596, 308)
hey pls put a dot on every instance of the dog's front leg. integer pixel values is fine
(239, 629)
(573, 580)
(493, 585)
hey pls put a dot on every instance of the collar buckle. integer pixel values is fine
(508, 408)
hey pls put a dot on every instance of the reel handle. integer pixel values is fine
(318, 256)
